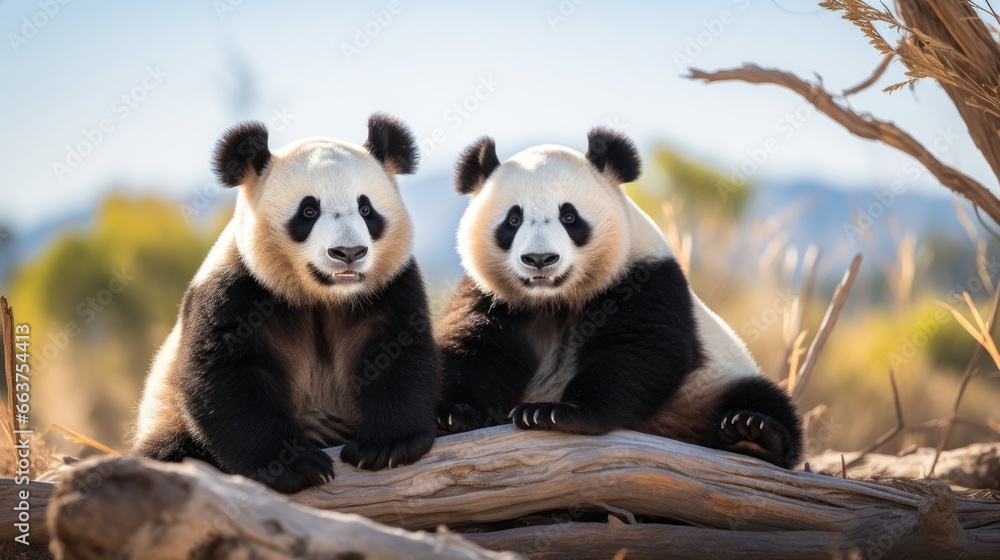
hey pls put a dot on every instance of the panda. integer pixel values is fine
(575, 316)
(307, 325)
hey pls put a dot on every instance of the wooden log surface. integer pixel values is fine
(975, 466)
(142, 510)
(500, 474)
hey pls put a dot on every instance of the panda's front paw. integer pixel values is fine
(376, 453)
(458, 417)
(757, 435)
(303, 466)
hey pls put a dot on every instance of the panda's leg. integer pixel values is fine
(172, 446)
(756, 418)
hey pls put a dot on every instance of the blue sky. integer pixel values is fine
(190, 68)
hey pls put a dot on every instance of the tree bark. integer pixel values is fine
(975, 466)
(500, 474)
(977, 58)
(130, 508)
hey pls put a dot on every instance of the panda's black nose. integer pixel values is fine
(347, 254)
(540, 260)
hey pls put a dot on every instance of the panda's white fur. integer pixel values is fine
(540, 180)
(276, 331)
(340, 172)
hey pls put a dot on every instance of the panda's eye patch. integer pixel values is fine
(574, 224)
(507, 229)
(375, 222)
(301, 224)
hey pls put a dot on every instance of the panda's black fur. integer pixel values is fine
(228, 388)
(629, 354)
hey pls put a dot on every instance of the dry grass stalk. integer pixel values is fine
(882, 67)
(7, 330)
(947, 41)
(886, 437)
(797, 350)
(971, 369)
(77, 437)
(826, 327)
(679, 243)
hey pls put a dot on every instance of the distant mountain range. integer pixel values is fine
(815, 212)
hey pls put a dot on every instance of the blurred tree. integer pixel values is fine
(99, 302)
(6, 253)
(701, 188)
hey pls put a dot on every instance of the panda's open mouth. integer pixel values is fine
(343, 277)
(542, 281)
(545, 281)
(348, 275)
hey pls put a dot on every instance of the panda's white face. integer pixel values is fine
(546, 228)
(324, 222)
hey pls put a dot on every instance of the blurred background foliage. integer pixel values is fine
(743, 264)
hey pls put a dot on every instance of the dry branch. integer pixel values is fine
(975, 466)
(882, 67)
(969, 70)
(798, 384)
(971, 370)
(865, 126)
(886, 437)
(502, 474)
(136, 509)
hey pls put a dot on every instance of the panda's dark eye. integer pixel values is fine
(568, 218)
(365, 211)
(515, 220)
(310, 212)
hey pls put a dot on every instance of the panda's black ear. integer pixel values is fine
(391, 142)
(613, 153)
(476, 164)
(241, 154)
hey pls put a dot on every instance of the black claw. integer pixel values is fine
(741, 427)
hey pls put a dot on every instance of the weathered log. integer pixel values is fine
(573, 541)
(501, 474)
(975, 466)
(140, 509)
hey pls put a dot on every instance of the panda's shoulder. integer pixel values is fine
(650, 286)
(472, 309)
(404, 291)
(224, 295)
